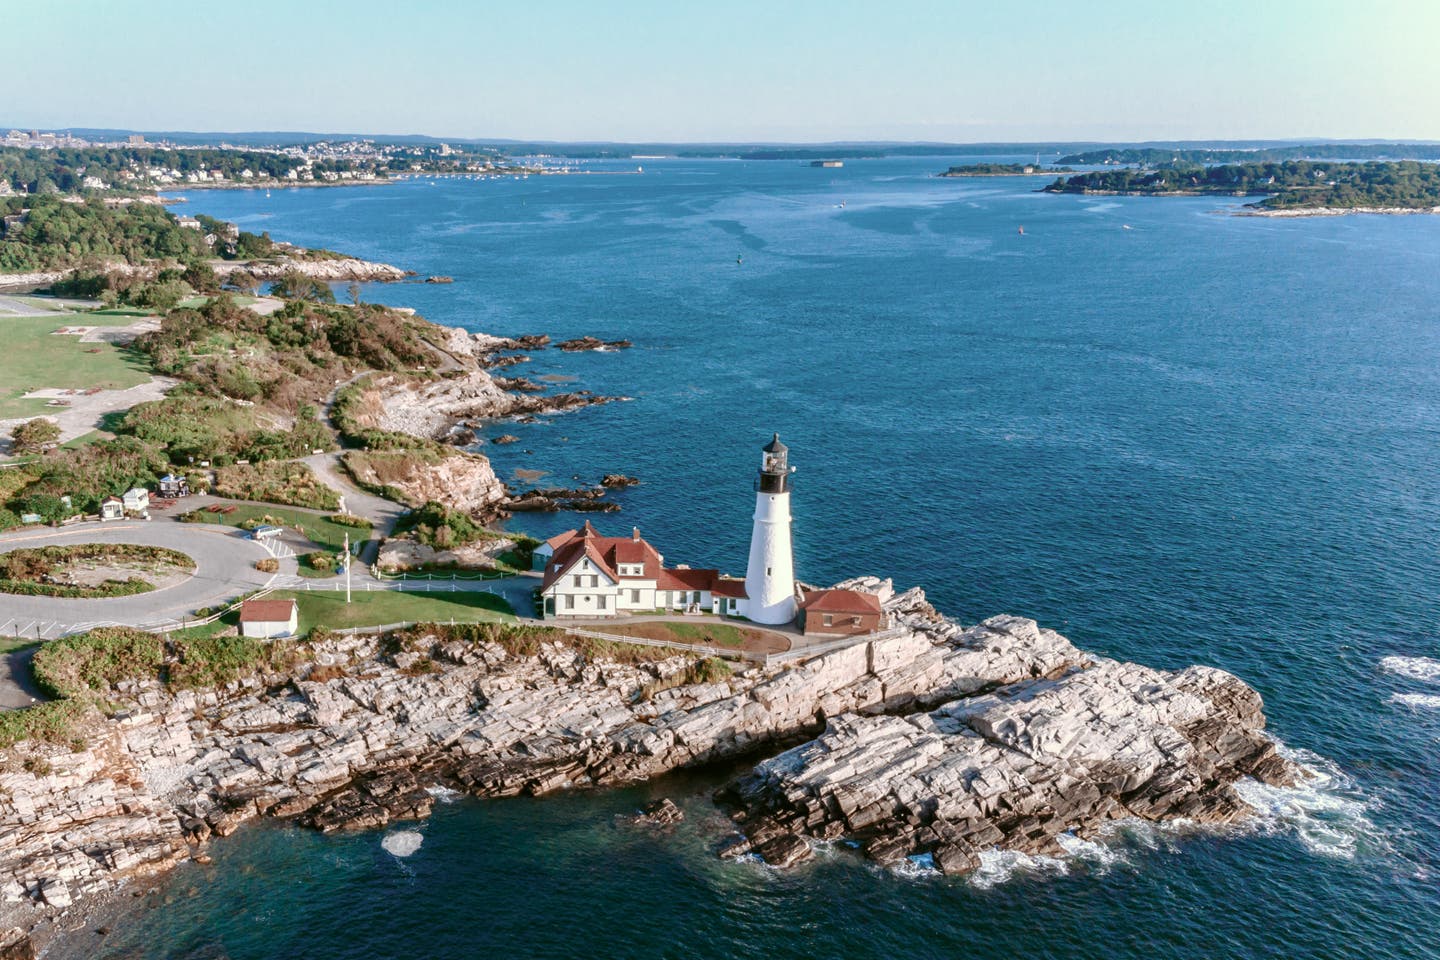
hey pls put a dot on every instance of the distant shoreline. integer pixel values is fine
(1253, 211)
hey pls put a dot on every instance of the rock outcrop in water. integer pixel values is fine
(930, 738)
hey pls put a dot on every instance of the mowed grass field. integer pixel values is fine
(314, 526)
(327, 608)
(32, 357)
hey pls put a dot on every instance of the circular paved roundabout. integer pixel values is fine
(224, 569)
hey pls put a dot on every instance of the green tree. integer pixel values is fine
(294, 285)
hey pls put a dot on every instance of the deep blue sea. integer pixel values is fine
(1203, 439)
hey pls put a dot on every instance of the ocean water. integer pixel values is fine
(1203, 439)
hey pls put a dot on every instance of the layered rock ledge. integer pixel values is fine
(932, 738)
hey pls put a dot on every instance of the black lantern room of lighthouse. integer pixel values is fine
(775, 467)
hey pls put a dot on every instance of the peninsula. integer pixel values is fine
(1291, 187)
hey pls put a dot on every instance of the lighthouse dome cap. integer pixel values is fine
(775, 446)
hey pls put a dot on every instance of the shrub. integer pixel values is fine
(284, 482)
(350, 520)
(53, 722)
(97, 660)
(440, 526)
(35, 435)
(267, 565)
(217, 661)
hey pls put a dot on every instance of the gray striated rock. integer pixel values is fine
(934, 738)
(1017, 767)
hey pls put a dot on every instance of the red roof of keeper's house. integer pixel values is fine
(608, 553)
(266, 611)
(841, 601)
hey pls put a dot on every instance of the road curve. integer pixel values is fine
(224, 569)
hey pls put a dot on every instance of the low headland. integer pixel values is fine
(1289, 188)
(931, 740)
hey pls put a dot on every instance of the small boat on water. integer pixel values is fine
(1126, 226)
(1022, 231)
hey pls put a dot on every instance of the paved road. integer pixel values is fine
(15, 307)
(224, 568)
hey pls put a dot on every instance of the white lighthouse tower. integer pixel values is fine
(770, 576)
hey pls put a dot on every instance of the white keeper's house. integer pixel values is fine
(587, 575)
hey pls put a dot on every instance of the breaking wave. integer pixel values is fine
(443, 794)
(1428, 701)
(1326, 812)
(402, 843)
(1000, 866)
(1416, 668)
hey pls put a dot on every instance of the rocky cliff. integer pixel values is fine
(331, 270)
(933, 738)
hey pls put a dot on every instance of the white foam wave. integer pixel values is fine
(1428, 701)
(443, 794)
(1416, 668)
(921, 865)
(402, 843)
(1000, 866)
(1326, 811)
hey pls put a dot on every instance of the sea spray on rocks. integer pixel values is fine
(402, 843)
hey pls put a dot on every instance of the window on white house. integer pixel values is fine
(594, 581)
(569, 601)
(600, 601)
(697, 597)
(634, 596)
(578, 580)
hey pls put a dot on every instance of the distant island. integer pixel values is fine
(1293, 187)
(1002, 170)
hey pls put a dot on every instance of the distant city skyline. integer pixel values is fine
(803, 71)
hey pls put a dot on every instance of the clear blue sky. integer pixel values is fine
(794, 70)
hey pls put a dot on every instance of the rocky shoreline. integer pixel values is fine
(931, 739)
(1257, 211)
(330, 270)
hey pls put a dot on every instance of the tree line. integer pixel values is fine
(1290, 184)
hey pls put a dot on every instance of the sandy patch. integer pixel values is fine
(78, 412)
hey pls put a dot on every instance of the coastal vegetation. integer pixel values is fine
(276, 481)
(56, 233)
(89, 570)
(33, 436)
(1290, 185)
(1158, 156)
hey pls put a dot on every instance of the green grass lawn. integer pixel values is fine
(31, 358)
(123, 312)
(85, 439)
(708, 632)
(319, 530)
(195, 303)
(327, 608)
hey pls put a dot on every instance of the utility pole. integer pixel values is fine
(347, 568)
